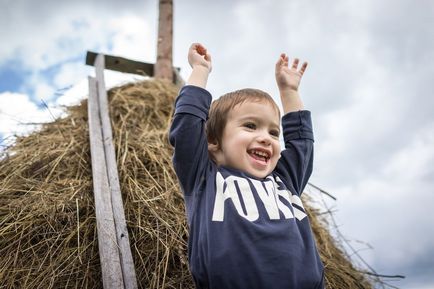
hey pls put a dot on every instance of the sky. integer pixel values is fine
(368, 85)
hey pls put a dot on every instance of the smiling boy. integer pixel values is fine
(247, 224)
(252, 127)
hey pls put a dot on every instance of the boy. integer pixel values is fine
(248, 227)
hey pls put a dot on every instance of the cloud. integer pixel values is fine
(392, 209)
(48, 49)
(21, 115)
(55, 52)
(70, 73)
(59, 30)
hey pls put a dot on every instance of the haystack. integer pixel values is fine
(48, 235)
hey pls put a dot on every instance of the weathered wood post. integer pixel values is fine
(122, 238)
(108, 249)
(163, 67)
(116, 260)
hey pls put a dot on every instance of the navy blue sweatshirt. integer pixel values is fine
(245, 232)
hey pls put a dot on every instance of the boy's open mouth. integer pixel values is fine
(259, 155)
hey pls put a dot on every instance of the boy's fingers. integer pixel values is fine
(283, 61)
(280, 61)
(201, 50)
(195, 46)
(295, 63)
(208, 57)
(303, 68)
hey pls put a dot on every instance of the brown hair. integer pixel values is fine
(220, 108)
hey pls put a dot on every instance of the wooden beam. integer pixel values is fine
(126, 65)
(127, 263)
(108, 249)
(163, 66)
(121, 64)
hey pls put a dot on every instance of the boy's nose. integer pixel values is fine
(264, 138)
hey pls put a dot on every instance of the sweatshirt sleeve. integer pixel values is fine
(296, 162)
(187, 136)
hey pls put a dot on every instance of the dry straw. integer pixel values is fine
(48, 235)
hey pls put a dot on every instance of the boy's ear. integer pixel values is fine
(213, 147)
(214, 151)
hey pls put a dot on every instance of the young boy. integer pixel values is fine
(248, 227)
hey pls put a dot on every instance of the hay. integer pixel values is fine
(48, 235)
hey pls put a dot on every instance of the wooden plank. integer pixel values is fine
(163, 67)
(128, 271)
(108, 250)
(121, 64)
(125, 65)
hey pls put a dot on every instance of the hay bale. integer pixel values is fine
(48, 235)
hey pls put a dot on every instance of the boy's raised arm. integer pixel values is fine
(288, 80)
(187, 131)
(296, 162)
(200, 61)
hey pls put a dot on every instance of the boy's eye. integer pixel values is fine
(275, 133)
(250, 125)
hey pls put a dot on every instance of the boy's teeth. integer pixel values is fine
(259, 153)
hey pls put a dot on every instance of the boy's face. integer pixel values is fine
(250, 140)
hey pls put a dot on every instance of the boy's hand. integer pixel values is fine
(200, 61)
(198, 56)
(288, 78)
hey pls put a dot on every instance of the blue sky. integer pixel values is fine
(368, 85)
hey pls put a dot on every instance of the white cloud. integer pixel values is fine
(20, 114)
(67, 34)
(133, 38)
(70, 73)
(393, 206)
(414, 162)
(80, 90)
(74, 94)
(44, 91)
